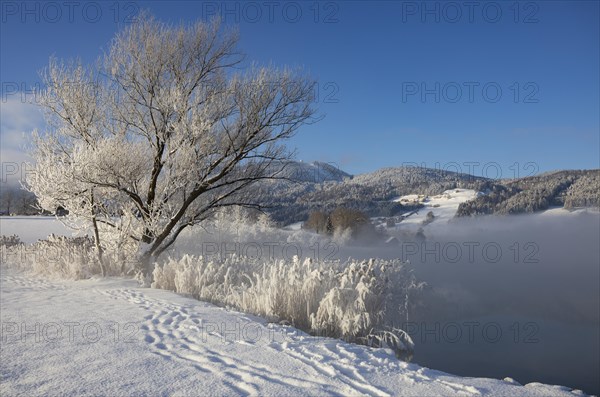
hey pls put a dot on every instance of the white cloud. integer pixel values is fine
(17, 120)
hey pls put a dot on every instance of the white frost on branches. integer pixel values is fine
(160, 132)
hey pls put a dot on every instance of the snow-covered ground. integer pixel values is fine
(443, 206)
(32, 228)
(110, 337)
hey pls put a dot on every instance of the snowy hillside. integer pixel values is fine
(109, 337)
(442, 206)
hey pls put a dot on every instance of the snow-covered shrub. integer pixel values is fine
(358, 301)
(10, 248)
(57, 256)
(355, 305)
(392, 338)
(64, 257)
(61, 257)
(10, 241)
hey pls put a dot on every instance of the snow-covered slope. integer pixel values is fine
(109, 337)
(443, 206)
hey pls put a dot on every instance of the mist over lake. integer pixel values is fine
(531, 278)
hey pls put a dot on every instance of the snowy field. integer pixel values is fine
(32, 228)
(443, 206)
(110, 337)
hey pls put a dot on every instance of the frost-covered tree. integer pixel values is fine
(161, 131)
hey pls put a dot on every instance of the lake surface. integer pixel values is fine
(511, 297)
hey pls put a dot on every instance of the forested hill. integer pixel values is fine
(567, 189)
(373, 192)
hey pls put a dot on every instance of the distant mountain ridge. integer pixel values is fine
(315, 172)
(324, 187)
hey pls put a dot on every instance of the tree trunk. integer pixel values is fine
(98, 247)
(147, 263)
(97, 239)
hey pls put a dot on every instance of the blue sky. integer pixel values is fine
(493, 87)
